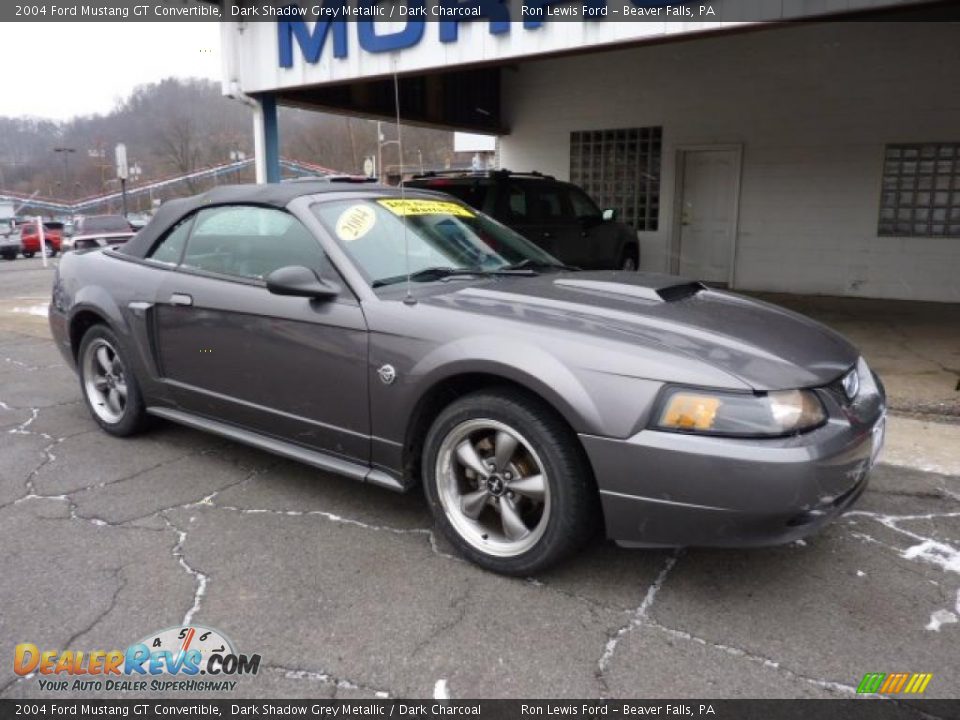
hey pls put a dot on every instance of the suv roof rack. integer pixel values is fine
(482, 173)
(333, 179)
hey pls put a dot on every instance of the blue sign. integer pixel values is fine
(311, 42)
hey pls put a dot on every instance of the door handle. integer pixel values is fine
(181, 299)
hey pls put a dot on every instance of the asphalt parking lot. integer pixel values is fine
(345, 591)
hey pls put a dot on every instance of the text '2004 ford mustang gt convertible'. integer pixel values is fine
(407, 338)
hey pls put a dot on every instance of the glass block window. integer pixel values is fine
(620, 169)
(920, 196)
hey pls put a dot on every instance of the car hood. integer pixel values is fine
(762, 345)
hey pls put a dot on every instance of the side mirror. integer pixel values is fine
(300, 281)
(609, 215)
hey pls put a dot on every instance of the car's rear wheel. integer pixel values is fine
(28, 255)
(508, 483)
(109, 386)
(51, 251)
(628, 263)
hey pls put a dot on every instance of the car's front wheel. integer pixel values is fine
(508, 482)
(28, 255)
(109, 386)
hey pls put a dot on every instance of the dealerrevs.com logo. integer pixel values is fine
(191, 658)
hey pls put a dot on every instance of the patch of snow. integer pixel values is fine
(440, 690)
(800, 543)
(37, 310)
(935, 553)
(940, 618)
(861, 573)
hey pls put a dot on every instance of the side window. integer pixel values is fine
(551, 204)
(250, 242)
(517, 205)
(169, 250)
(583, 206)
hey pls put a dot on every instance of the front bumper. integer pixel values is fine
(662, 489)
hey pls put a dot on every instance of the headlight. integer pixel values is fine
(740, 414)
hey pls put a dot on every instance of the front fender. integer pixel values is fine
(526, 364)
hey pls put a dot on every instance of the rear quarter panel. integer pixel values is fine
(106, 284)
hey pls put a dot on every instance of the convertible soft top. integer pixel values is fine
(277, 195)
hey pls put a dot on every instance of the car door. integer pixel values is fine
(599, 242)
(556, 223)
(289, 367)
(516, 208)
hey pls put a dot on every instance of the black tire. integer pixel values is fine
(28, 255)
(133, 419)
(628, 261)
(574, 508)
(51, 251)
(8, 256)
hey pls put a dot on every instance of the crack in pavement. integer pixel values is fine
(116, 574)
(639, 615)
(459, 605)
(328, 679)
(429, 533)
(200, 578)
(752, 657)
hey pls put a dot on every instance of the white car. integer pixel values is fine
(96, 240)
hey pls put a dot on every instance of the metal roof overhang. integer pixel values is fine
(467, 97)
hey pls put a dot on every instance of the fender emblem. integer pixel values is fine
(387, 374)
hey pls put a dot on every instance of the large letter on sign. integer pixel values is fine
(311, 43)
(496, 10)
(408, 37)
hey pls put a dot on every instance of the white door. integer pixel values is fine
(708, 214)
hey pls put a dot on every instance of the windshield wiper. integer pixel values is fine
(441, 273)
(531, 264)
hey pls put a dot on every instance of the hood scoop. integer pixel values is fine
(664, 293)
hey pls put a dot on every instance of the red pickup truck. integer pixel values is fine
(30, 239)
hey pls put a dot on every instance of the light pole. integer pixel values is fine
(65, 152)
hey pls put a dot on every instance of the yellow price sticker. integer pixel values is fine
(403, 207)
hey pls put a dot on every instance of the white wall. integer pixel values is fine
(812, 107)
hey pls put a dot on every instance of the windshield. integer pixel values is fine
(439, 234)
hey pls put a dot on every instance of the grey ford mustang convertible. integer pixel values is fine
(408, 339)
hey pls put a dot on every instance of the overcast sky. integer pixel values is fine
(85, 67)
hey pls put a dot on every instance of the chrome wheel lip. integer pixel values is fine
(104, 381)
(484, 536)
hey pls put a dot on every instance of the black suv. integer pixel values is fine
(559, 217)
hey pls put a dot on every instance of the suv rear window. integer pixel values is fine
(104, 223)
(473, 194)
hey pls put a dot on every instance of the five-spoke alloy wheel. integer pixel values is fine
(109, 387)
(105, 382)
(508, 482)
(493, 487)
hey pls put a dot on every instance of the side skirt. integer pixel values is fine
(317, 459)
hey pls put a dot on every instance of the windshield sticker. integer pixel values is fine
(355, 222)
(404, 207)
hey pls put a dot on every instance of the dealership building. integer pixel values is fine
(803, 146)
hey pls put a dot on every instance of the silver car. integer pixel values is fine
(407, 339)
(10, 245)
